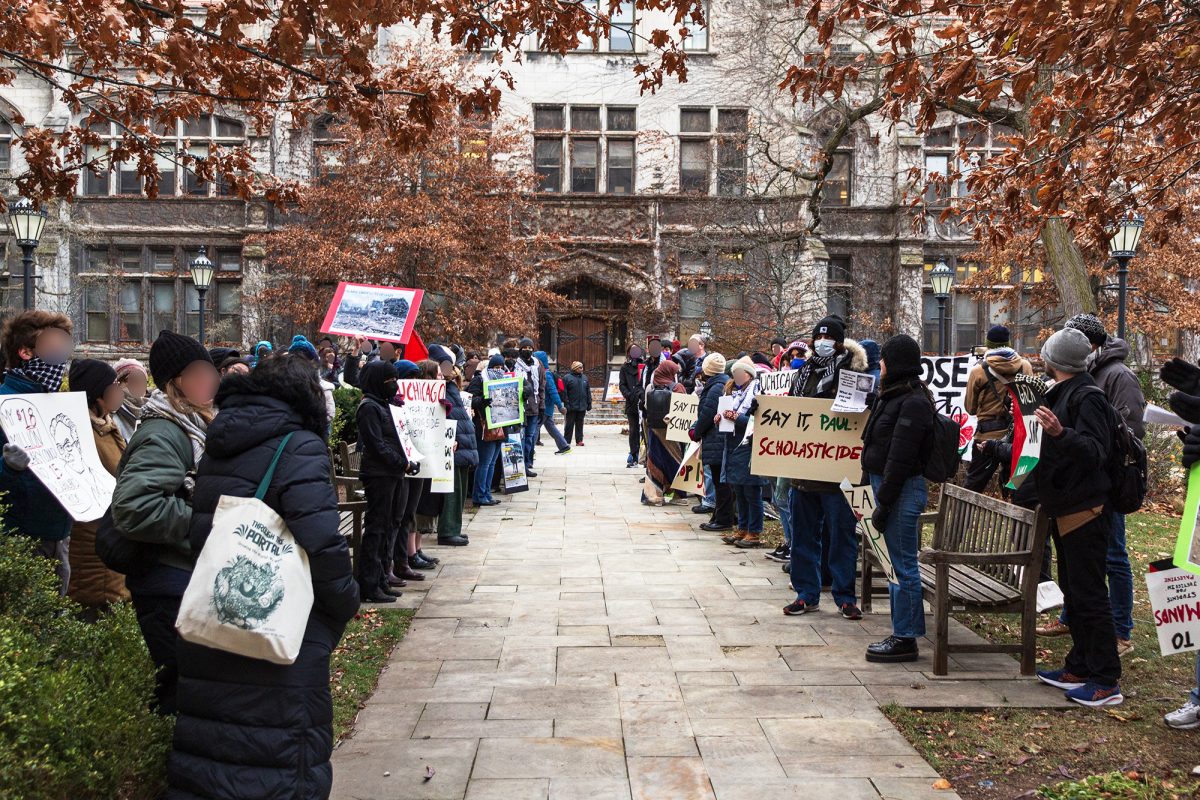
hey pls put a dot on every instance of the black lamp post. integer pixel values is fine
(941, 278)
(1123, 247)
(202, 275)
(26, 223)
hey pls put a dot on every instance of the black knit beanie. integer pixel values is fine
(902, 355)
(832, 326)
(170, 355)
(91, 377)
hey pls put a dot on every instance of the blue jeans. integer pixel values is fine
(710, 488)
(1120, 578)
(811, 511)
(552, 429)
(1196, 691)
(488, 453)
(903, 538)
(529, 438)
(784, 504)
(749, 506)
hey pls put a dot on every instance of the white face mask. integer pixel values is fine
(823, 347)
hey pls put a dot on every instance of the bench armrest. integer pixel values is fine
(353, 505)
(1018, 558)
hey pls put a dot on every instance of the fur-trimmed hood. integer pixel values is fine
(858, 356)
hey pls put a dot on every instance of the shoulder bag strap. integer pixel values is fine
(266, 481)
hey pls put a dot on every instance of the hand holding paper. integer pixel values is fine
(1186, 406)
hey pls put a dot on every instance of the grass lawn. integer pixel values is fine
(358, 660)
(1009, 753)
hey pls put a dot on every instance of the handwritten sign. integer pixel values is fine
(425, 418)
(1028, 394)
(690, 477)
(1187, 546)
(612, 389)
(862, 503)
(443, 481)
(803, 438)
(777, 383)
(411, 452)
(682, 416)
(946, 378)
(56, 432)
(1175, 599)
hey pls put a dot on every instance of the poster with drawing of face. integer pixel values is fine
(56, 431)
(376, 312)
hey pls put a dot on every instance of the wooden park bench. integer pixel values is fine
(985, 557)
(351, 506)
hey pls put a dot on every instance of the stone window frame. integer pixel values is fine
(713, 145)
(946, 142)
(839, 285)
(698, 41)
(7, 135)
(562, 130)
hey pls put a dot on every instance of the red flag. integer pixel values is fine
(415, 350)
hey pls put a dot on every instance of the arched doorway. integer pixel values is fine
(592, 329)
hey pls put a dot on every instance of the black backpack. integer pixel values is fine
(1128, 469)
(943, 455)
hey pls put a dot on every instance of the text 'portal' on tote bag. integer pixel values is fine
(251, 591)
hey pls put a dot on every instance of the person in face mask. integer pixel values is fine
(535, 406)
(631, 390)
(37, 346)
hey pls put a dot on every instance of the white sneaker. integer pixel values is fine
(1184, 719)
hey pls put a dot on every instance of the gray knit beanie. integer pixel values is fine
(1067, 351)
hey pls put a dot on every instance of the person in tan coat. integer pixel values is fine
(988, 399)
(93, 585)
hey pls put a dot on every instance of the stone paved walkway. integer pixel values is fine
(586, 646)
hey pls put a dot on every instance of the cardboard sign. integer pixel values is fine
(1175, 599)
(690, 477)
(1187, 546)
(803, 438)
(1028, 394)
(56, 431)
(612, 389)
(862, 503)
(777, 383)
(425, 418)
(385, 313)
(512, 459)
(508, 401)
(946, 378)
(682, 416)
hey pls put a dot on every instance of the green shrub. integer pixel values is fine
(75, 720)
(1111, 785)
(345, 426)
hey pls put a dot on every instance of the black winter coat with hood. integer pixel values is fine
(896, 438)
(712, 451)
(248, 728)
(378, 442)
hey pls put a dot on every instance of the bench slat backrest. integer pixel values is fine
(969, 522)
(350, 460)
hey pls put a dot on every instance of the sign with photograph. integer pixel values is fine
(682, 416)
(1175, 600)
(612, 389)
(385, 313)
(804, 438)
(512, 460)
(853, 388)
(508, 401)
(56, 431)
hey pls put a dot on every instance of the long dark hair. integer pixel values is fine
(286, 377)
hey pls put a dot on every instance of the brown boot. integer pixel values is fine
(748, 541)
(734, 537)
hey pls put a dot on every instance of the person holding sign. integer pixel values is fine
(819, 506)
(987, 398)
(712, 450)
(894, 443)
(747, 488)
(662, 455)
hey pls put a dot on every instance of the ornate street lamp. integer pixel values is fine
(26, 223)
(1123, 247)
(706, 330)
(202, 275)
(941, 278)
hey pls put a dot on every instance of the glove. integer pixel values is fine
(1185, 405)
(692, 434)
(879, 518)
(487, 402)
(1191, 447)
(413, 469)
(1183, 376)
(15, 457)
(753, 407)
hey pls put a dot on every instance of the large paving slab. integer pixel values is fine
(587, 647)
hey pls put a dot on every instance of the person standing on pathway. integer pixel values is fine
(466, 455)
(553, 401)
(662, 455)
(746, 488)
(578, 396)
(631, 390)
(712, 448)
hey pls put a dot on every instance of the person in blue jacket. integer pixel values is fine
(553, 401)
(37, 346)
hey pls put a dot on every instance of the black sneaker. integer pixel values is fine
(780, 553)
(851, 611)
(893, 649)
(530, 473)
(430, 559)
(798, 607)
(702, 509)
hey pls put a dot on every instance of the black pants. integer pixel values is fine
(1082, 561)
(633, 417)
(724, 513)
(979, 473)
(156, 616)
(406, 518)
(574, 424)
(380, 525)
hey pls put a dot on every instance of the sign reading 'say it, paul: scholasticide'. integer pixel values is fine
(803, 438)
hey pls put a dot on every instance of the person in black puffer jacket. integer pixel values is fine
(247, 728)
(895, 449)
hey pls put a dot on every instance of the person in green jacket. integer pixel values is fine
(152, 502)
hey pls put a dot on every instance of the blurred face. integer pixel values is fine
(655, 348)
(112, 399)
(696, 344)
(776, 349)
(53, 345)
(447, 369)
(198, 383)
(387, 351)
(238, 369)
(740, 377)
(135, 384)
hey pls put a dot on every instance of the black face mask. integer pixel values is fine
(390, 388)
(510, 364)
(527, 356)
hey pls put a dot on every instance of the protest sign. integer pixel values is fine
(425, 416)
(853, 388)
(690, 477)
(512, 458)
(1175, 599)
(386, 313)
(406, 441)
(1028, 394)
(777, 383)
(612, 389)
(725, 403)
(804, 438)
(946, 377)
(508, 401)
(682, 416)
(862, 503)
(1187, 546)
(443, 480)
(55, 430)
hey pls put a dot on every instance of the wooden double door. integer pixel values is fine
(584, 339)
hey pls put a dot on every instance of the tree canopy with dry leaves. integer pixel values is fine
(143, 64)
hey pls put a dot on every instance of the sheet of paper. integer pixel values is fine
(853, 388)
(1161, 416)
(725, 404)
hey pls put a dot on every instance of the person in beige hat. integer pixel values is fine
(577, 398)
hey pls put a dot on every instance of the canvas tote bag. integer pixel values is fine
(251, 591)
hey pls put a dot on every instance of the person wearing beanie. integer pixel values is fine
(93, 585)
(488, 440)
(988, 398)
(134, 381)
(152, 501)
(631, 389)
(795, 355)
(302, 346)
(778, 346)
(577, 401)
(233, 366)
(871, 348)
(762, 361)
(263, 349)
(305, 350)
(894, 442)
(535, 400)
(712, 449)
(747, 489)
(824, 529)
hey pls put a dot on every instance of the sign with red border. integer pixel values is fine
(383, 313)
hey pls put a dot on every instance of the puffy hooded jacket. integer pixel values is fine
(467, 453)
(712, 451)
(989, 401)
(378, 442)
(1120, 383)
